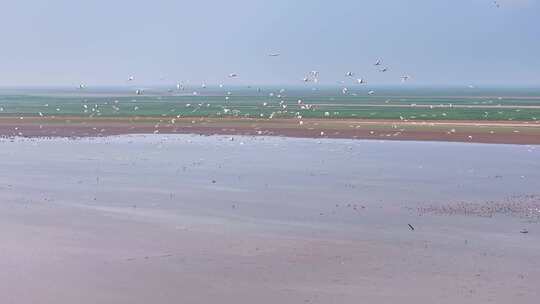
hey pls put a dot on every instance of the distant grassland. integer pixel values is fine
(331, 107)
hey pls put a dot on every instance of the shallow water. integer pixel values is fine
(150, 218)
(329, 101)
(266, 178)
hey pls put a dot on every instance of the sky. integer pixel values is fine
(103, 42)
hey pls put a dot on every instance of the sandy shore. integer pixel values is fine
(192, 219)
(502, 132)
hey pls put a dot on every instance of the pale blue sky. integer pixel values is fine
(99, 42)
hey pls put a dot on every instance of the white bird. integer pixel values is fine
(82, 86)
(139, 92)
(131, 78)
(378, 62)
(312, 76)
(349, 74)
(345, 91)
(371, 92)
(233, 75)
(361, 81)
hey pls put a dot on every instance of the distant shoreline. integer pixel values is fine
(493, 132)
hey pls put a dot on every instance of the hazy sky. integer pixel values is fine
(64, 42)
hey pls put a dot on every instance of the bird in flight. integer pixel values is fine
(312, 76)
(378, 62)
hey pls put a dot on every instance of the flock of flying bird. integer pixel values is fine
(311, 77)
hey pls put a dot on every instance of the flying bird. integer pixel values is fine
(349, 74)
(404, 78)
(312, 76)
(131, 78)
(378, 62)
(361, 81)
(233, 75)
(274, 54)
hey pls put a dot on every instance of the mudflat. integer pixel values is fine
(199, 219)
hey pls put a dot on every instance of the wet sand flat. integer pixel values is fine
(498, 132)
(199, 219)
